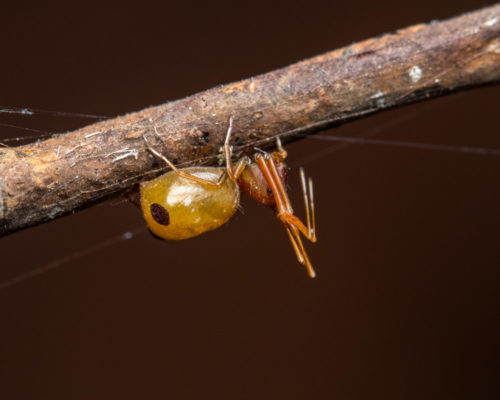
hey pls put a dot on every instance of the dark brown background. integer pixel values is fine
(406, 300)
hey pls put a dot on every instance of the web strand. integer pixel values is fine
(411, 145)
(59, 262)
(33, 111)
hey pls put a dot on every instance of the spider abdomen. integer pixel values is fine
(177, 208)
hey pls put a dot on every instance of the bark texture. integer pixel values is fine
(45, 180)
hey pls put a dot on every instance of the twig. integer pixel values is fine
(42, 181)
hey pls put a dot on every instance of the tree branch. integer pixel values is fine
(45, 180)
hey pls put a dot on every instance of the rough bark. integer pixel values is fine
(45, 180)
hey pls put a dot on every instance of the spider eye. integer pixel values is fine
(269, 192)
(160, 214)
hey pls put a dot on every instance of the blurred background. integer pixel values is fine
(406, 301)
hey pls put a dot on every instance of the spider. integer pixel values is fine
(187, 202)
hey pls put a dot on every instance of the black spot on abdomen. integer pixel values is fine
(159, 214)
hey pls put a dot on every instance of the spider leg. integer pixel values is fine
(300, 251)
(296, 247)
(288, 215)
(182, 173)
(284, 212)
(307, 191)
(282, 153)
(233, 173)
